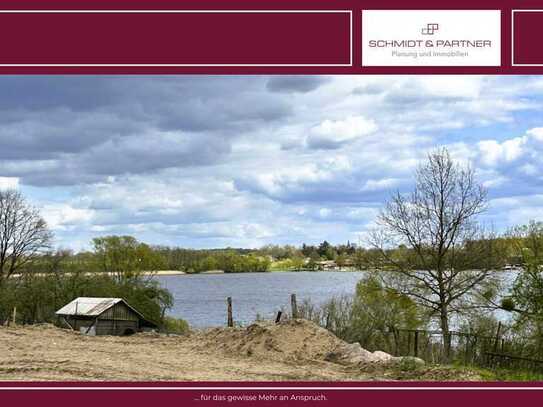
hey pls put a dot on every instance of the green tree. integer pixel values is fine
(124, 258)
(527, 294)
(379, 311)
(526, 300)
(327, 251)
(342, 260)
(297, 262)
(313, 260)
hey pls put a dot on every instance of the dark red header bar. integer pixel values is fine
(248, 37)
(242, 36)
(527, 34)
(175, 38)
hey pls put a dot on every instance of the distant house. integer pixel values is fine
(327, 265)
(103, 316)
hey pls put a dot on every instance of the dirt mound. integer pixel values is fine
(294, 339)
(38, 353)
(297, 339)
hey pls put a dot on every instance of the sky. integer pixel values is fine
(244, 161)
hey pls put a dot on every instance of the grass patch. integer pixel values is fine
(503, 375)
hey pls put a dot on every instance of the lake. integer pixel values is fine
(201, 299)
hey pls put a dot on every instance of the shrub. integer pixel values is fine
(175, 325)
(369, 317)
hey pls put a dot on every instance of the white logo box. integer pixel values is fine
(456, 38)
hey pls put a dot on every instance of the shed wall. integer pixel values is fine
(119, 312)
(110, 327)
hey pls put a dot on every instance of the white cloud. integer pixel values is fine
(9, 182)
(494, 152)
(333, 133)
(524, 153)
(386, 183)
(63, 216)
(536, 133)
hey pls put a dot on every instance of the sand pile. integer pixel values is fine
(294, 340)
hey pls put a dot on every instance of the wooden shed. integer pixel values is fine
(103, 316)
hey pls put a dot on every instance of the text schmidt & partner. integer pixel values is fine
(430, 43)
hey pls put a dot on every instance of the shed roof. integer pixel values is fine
(92, 306)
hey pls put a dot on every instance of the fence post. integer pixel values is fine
(395, 335)
(416, 343)
(294, 306)
(466, 351)
(230, 321)
(14, 316)
(278, 317)
(497, 336)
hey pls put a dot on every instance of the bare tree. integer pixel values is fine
(430, 240)
(23, 233)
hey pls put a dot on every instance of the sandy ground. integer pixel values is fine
(274, 353)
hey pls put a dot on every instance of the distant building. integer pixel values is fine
(103, 316)
(327, 265)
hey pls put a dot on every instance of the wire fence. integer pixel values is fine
(492, 352)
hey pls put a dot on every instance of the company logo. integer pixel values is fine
(425, 44)
(431, 37)
(430, 29)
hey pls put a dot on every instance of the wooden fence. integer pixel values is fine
(230, 312)
(502, 361)
(490, 351)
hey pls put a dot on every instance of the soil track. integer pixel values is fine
(263, 352)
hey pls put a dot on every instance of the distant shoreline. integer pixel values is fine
(166, 273)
